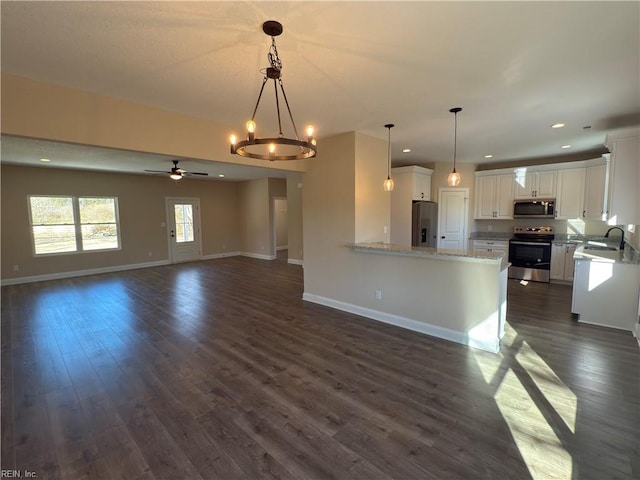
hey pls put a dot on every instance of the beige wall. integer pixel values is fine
(295, 189)
(45, 111)
(254, 220)
(141, 202)
(329, 214)
(372, 203)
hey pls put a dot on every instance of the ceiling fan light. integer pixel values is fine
(176, 176)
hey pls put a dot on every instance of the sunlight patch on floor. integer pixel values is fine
(563, 400)
(541, 449)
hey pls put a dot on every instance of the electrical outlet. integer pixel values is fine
(489, 228)
(16, 268)
(378, 294)
(151, 254)
(386, 229)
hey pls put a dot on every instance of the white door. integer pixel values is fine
(183, 223)
(453, 212)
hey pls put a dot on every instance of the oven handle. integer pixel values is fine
(518, 242)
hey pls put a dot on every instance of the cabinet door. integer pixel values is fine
(624, 195)
(545, 184)
(524, 183)
(569, 262)
(595, 192)
(504, 196)
(558, 261)
(485, 195)
(570, 193)
(421, 187)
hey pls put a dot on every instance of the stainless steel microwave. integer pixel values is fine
(538, 208)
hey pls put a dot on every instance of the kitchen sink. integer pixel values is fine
(600, 247)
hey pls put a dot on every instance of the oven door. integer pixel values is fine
(530, 260)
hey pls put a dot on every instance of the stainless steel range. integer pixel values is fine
(530, 253)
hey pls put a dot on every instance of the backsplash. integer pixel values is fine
(563, 229)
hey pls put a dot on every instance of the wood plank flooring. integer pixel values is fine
(218, 370)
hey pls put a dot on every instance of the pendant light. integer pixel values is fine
(388, 183)
(454, 177)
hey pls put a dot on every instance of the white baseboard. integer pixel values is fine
(284, 247)
(219, 255)
(81, 273)
(490, 345)
(257, 255)
(295, 261)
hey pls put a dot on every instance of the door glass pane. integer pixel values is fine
(184, 223)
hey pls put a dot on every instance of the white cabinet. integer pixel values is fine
(501, 246)
(562, 263)
(494, 196)
(624, 175)
(595, 192)
(606, 293)
(570, 193)
(421, 186)
(534, 184)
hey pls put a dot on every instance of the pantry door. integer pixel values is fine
(183, 228)
(453, 214)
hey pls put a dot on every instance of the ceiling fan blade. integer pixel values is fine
(194, 173)
(157, 171)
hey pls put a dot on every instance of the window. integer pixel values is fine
(72, 224)
(184, 223)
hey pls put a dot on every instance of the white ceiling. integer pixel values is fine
(514, 67)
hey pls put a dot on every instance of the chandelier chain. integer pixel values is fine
(274, 58)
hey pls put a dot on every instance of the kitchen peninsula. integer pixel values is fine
(453, 294)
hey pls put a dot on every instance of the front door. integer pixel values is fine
(183, 221)
(453, 212)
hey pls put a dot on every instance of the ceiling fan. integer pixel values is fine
(176, 172)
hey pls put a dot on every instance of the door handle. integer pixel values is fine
(443, 236)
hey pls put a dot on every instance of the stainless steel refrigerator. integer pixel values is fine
(424, 224)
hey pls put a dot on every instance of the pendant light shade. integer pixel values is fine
(454, 177)
(388, 183)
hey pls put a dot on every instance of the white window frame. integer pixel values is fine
(77, 224)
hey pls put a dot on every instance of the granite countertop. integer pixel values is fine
(628, 256)
(433, 253)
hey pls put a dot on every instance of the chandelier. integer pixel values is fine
(278, 147)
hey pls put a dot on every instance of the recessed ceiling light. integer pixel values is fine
(221, 175)
(557, 125)
(406, 150)
(488, 156)
(45, 160)
(565, 146)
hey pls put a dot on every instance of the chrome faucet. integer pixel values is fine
(606, 235)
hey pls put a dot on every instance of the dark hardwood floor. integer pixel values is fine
(218, 370)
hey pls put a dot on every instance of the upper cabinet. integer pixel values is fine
(529, 184)
(595, 190)
(494, 196)
(580, 189)
(624, 178)
(570, 193)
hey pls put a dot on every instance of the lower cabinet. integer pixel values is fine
(562, 263)
(501, 246)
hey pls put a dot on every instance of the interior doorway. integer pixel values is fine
(183, 228)
(280, 228)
